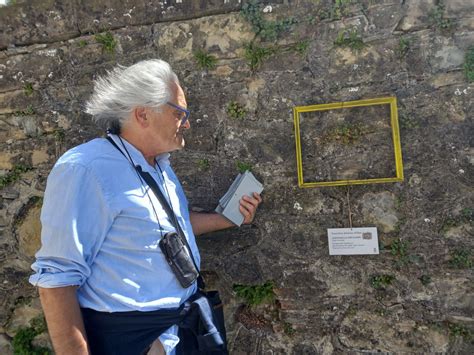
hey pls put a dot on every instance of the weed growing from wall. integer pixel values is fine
(255, 294)
(401, 221)
(267, 30)
(351, 311)
(311, 19)
(403, 47)
(28, 89)
(255, 55)
(469, 64)
(399, 249)
(461, 259)
(425, 279)
(107, 40)
(383, 312)
(459, 330)
(336, 11)
(381, 281)
(59, 135)
(205, 60)
(346, 133)
(82, 43)
(203, 164)
(22, 340)
(28, 111)
(236, 110)
(339, 9)
(37, 200)
(14, 175)
(301, 47)
(466, 216)
(350, 38)
(437, 19)
(407, 122)
(288, 329)
(243, 167)
(449, 223)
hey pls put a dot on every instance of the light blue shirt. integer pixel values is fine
(100, 232)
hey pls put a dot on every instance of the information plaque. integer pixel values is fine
(353, 241)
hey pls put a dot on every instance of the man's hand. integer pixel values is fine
(211, 222)
(248, 207)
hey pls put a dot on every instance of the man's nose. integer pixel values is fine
(186, 124)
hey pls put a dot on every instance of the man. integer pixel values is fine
(101, 223)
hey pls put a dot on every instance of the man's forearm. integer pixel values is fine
(64, 319)
(208, 222)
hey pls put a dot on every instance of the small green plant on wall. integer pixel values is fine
(425, 279)
(28, 111)
(466, 216)
(301, 47)
(350, 38)
(339, 9)
(28, 89)
(203, 164)
(107, 40)
(82, 43)
(59, 135)
(22, 341)
(461, 259)
(288, 329)
(437, 19)
(13, 175)
(255, 294)
(205, 60)
(407, 121)
(243, 166)
(268, 30)
(255, 55)
(346, 133)
(449, 223)
(403, 47)
(399, 249)
(235, 110)
(469, 64)
(381, 281)
(459, 330)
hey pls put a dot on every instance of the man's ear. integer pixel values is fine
(140, 116)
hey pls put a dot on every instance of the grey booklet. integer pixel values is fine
(244, 184)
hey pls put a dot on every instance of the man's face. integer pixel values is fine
(166, 126)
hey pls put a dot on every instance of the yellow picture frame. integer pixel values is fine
(392, 101)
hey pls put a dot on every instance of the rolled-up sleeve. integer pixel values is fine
(75, 218)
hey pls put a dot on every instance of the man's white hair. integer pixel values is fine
(145, 84)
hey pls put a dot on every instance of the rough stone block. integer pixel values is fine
(22, 315)
(380, 210)
(416, 15)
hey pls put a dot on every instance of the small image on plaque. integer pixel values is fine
(367, 235)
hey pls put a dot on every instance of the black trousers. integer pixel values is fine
(201, 329)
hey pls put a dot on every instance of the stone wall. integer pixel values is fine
(416, 296)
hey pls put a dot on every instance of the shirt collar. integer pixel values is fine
(137, 156)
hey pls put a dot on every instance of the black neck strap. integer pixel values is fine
(164, 203)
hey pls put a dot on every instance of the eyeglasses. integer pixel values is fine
(183, 110)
